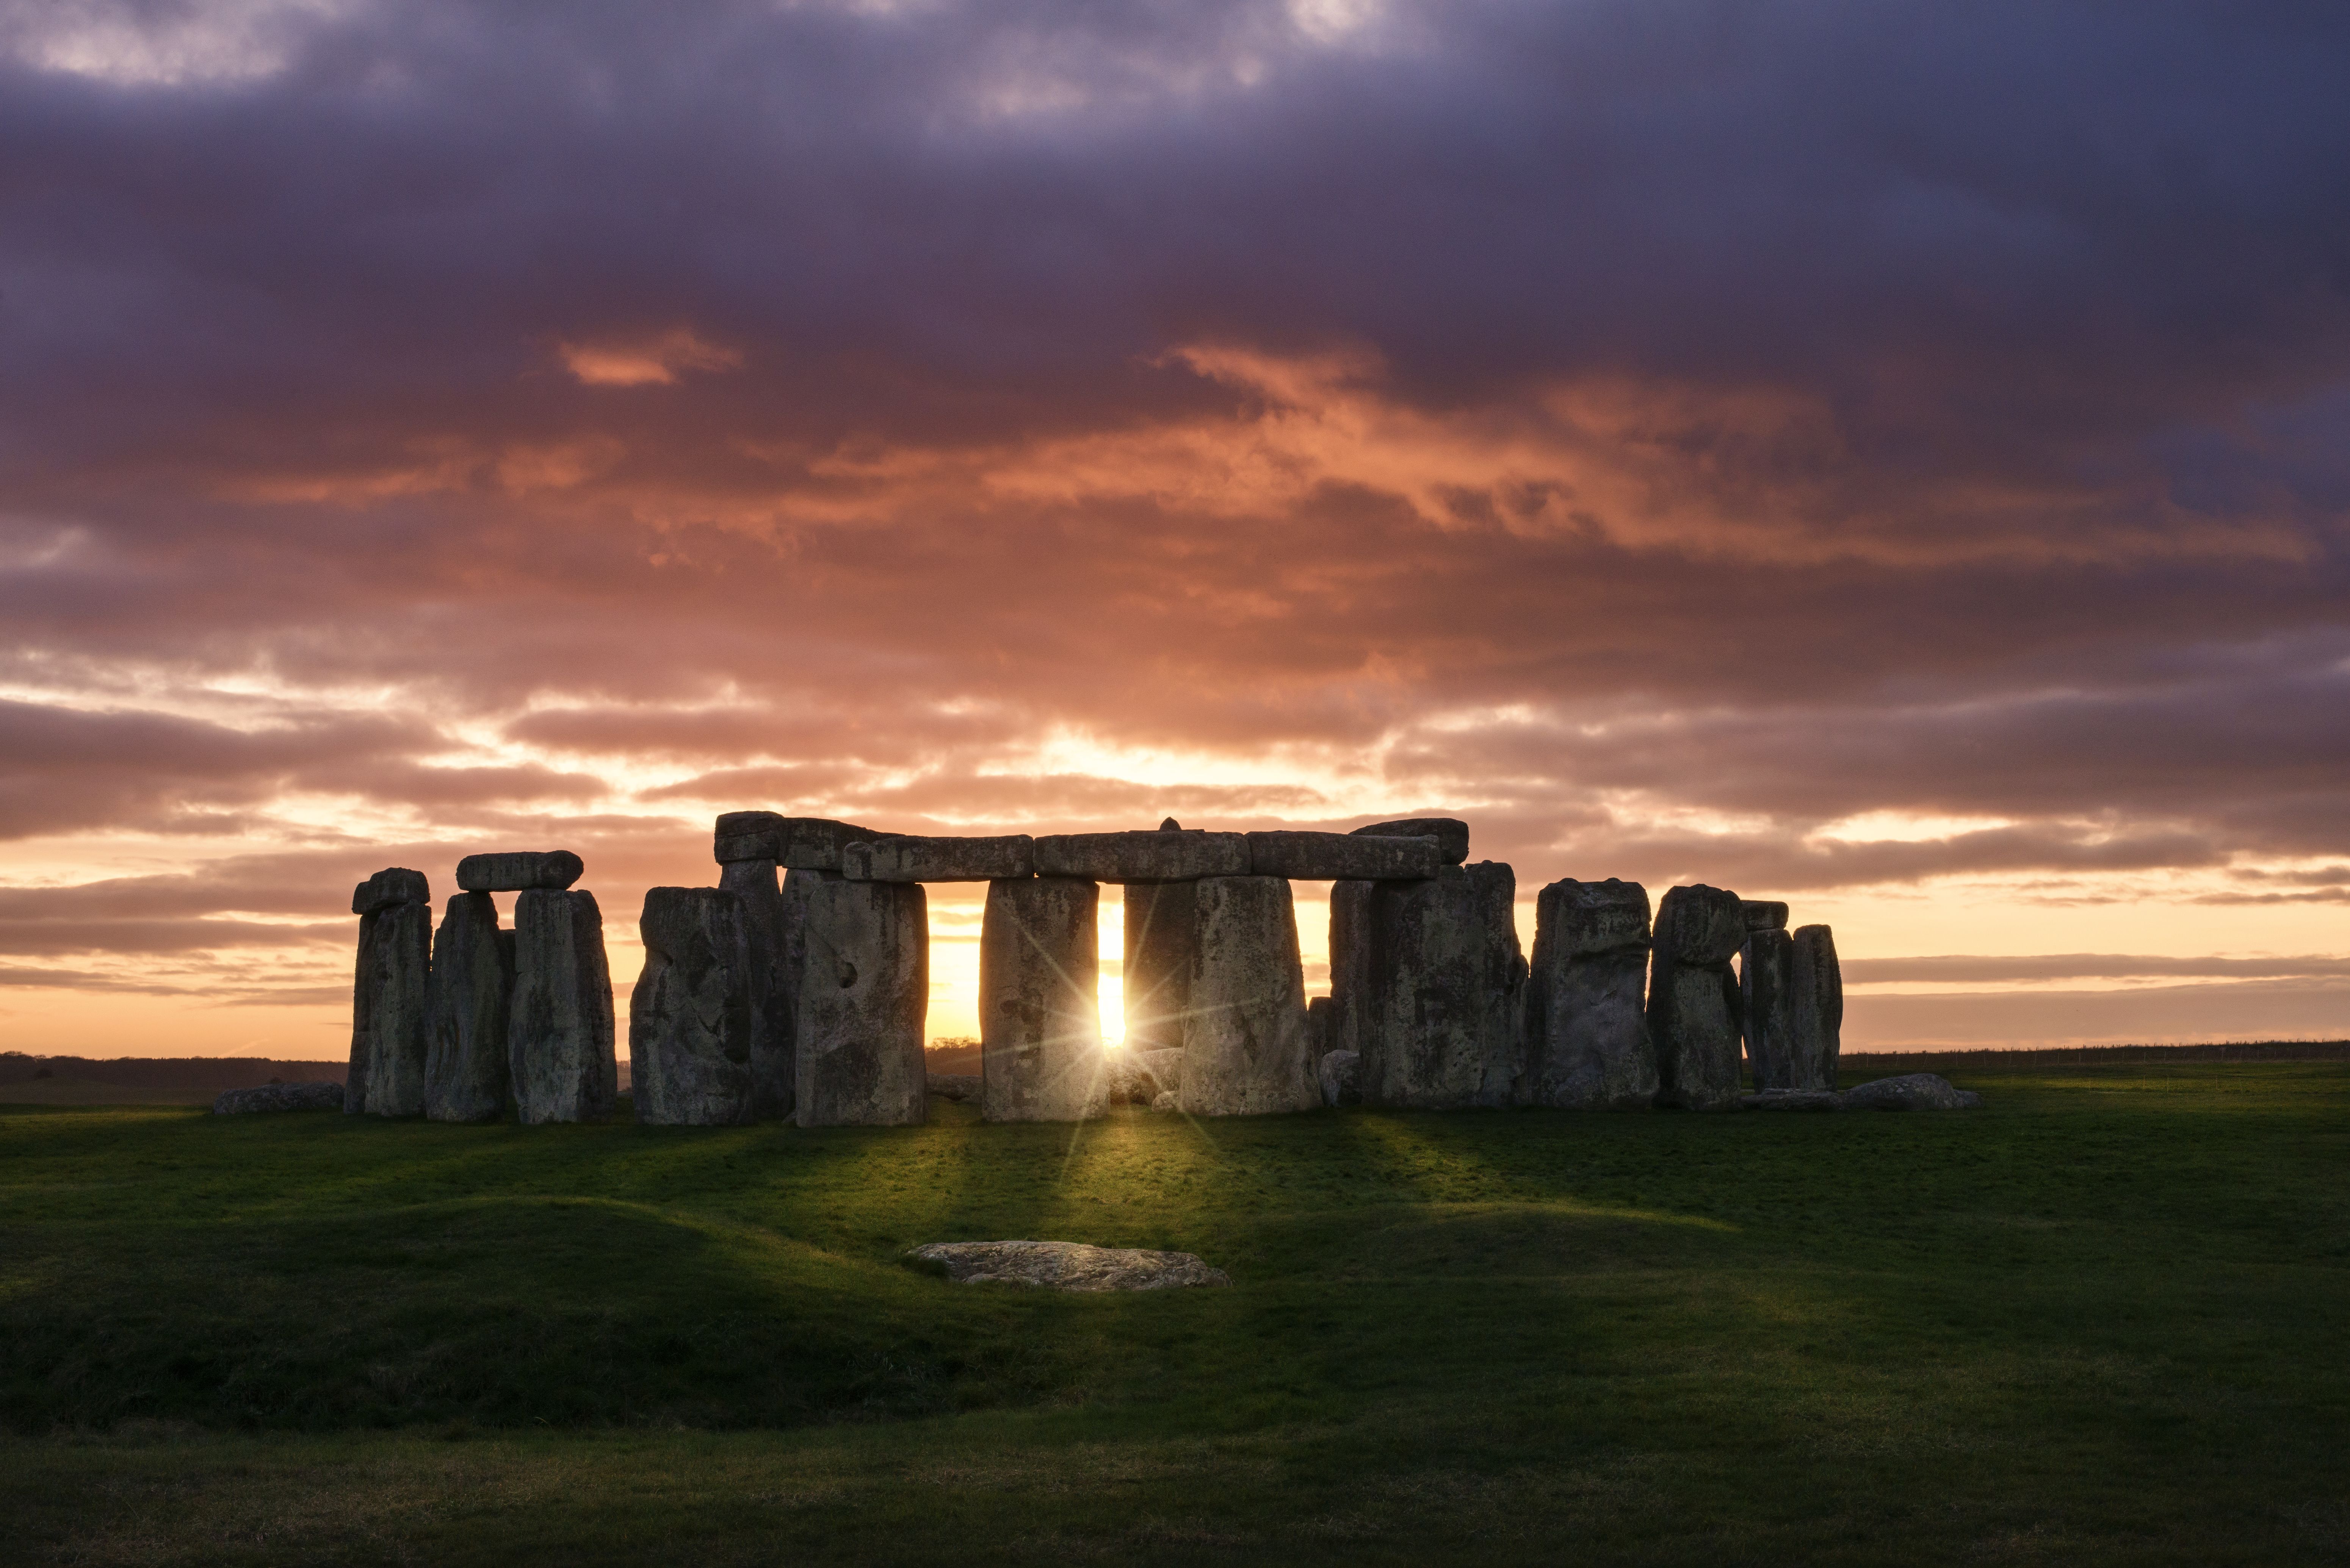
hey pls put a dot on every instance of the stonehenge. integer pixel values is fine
(797, 987)
(1040, 1038)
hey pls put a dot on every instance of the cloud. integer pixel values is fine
(654, 363)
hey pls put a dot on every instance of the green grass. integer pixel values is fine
(2103, 1320)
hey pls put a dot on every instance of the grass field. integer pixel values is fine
(2105, 1319)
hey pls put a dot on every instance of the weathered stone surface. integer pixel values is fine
(467, 1069)
(560, 1032)
(1341, 1076)
(1910, 1092)
(909, 858)
(394, 885)
(864, 993)
(1816, 985)
(390, 1004)
(1793, 1100)
(1068, 1266)
(279, 1097)
(1167, 1100)
(513, 870)
(957, 1086)
(1588, 1045)
(1166, 855)
(1334, 857)
(690, 1029)
(773, 972)
(1160, 936)
(1451, 834)
(795, 843)
(1139, 1077)
(1763, 915)
(1693, 1002)
(1320, 1013)
(1245, 1049)
(1350, 964)
(1441, 1024)
(1767, 1011)
(1040, 1044)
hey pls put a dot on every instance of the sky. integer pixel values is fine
(1892, 458)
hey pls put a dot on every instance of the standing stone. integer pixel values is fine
(1350, 964)
(390, 999)
(1244, 1047)
(1441, 1022)
(1767, 1003)
(1040, 1044)
(560, 1034)
(467, 1074)
(772, 968)
(1587, 1043)
(1693, 1002)
(689, 1016)
(864, 993)
(1161, 938)
(1816, 984)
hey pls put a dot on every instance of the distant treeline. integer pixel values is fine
(1995, 1059)
(212, 1073)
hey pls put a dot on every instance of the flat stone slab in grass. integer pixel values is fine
(1068, 1265)
(1910, 1092)
(1793, 1100)
(280, 1098)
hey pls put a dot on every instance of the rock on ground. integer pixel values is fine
(1588, 1045)
(467, 1074)
(1910, 1092)
(1068, 1265)
(1441, 1025)
(957, 1086)
(1138, 1078)
(1793, 1100)
(1244, 1051)
(689, 1016)
(1341, 1076)
(560, 1032)
(1167, 1100)
(864, 993)
(1040, 1042)
(279, 1097)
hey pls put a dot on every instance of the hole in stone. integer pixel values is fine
(848, 974)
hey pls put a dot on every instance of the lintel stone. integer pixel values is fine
(794, 843)
(1180, 856)
(1343, 857)
(1451, 834)
(913, 859)
(518, 870)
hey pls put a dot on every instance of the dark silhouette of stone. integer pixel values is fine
(467, 1065)
(1451, 834)
(1244, 1050)
(1816, 984)
(1588, 1045)
(1763, 915)
(908, 858)
(1910, 1092)
(795, 843)
(1159, 936)
(279, 1097)
(390, 996)
(1693, 1002)
(1067, 1265)
(1180, 856)
(958, 1087)
(1350, 964)
(1139, 1077)
(690, 1027)
(1319, 1013)
(1341, 1076)
(1793, 1100)
(772, 975)
(1767, 1010)
(513, 870)
(864, 993)
(1441, 1024)
(1331, 857)
(1040, 1035)
(560, 1032)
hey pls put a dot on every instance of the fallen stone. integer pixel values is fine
(1451, 834)
(1245, 1049)
(1767, 1011)
(1793, 1100)
(559, 1033)
(1167, 1100)
(1139, 1077)
(1068, 1266)
(772, 967)
(1815, 984)
(1161, 937)
(795, 843)
(515, 871)
(1180, 856)
(864, 991)
(1693, 1002)
(467, 1065)
(1588, 1045)
(279, 1097)
(915, 859)
(1763, 915)
(391, 1008)
(1910, 1092)
(958, 1086)
(1341, 1076)
(395, 885)
(689, 1030)
(1040, 1044)
(1336, 857)
(1441, 1025)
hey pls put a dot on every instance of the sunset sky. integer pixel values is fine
(1889, 457)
